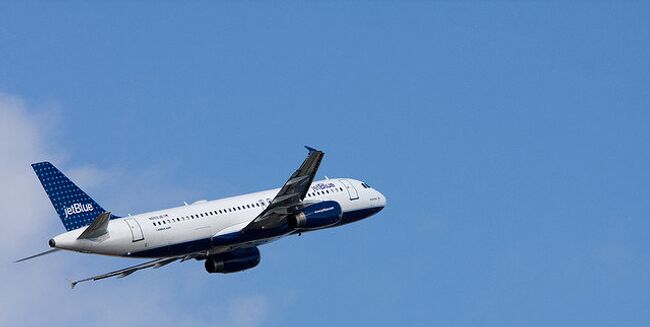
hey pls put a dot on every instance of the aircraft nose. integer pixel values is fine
(382, 199)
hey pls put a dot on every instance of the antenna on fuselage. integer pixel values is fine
(185, 203)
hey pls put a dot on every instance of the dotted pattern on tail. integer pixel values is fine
(75, 208)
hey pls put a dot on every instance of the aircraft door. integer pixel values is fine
(352, 191)
(136, 230)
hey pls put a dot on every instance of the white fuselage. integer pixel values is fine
(190, 228)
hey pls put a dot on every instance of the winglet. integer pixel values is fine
(311, 149)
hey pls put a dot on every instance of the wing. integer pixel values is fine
(291, 194)
(128, 271)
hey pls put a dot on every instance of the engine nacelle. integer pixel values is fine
(233, 261)
(315, 216)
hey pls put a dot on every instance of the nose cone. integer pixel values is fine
(382, 200)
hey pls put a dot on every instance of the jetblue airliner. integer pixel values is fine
(224, 233)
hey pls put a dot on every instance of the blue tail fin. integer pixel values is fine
(75, 208)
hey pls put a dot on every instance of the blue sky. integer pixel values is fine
(511, 140)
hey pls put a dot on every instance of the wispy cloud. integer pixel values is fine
(35, 293)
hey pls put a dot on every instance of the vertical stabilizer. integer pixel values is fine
(75, 208)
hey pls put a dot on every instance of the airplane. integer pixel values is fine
(225, 233)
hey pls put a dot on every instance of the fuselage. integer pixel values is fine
(214, 225)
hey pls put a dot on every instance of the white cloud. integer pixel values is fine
(21, 197)
(248, 311)
(35, 292)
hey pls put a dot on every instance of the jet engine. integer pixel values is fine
(233, 261)
(315, 216)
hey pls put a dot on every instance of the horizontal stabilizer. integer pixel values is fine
(37, 255)
(97, 228)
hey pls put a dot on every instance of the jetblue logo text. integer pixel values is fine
(322, 186)
(76, 208)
